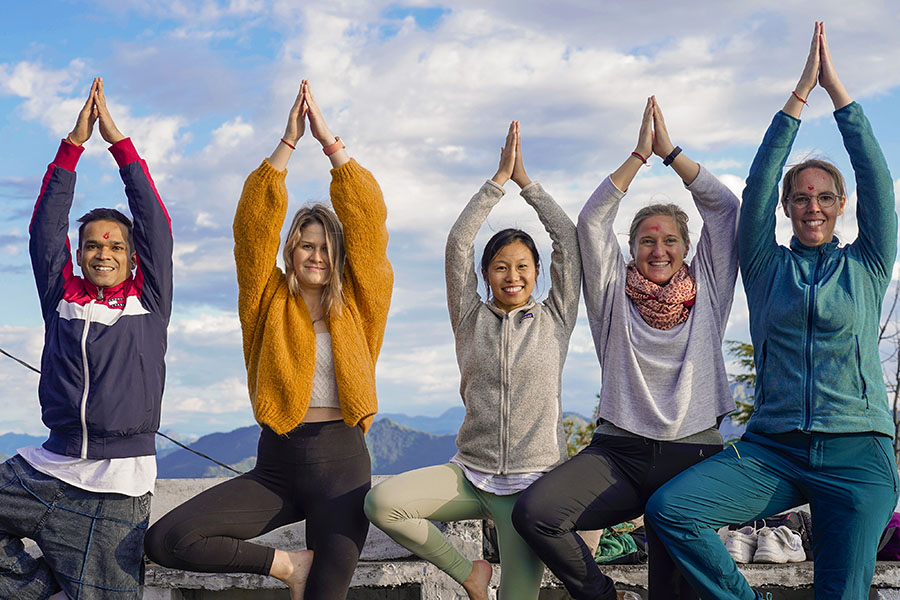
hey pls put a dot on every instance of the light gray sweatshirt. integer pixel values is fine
(661, 384)
(511, 363)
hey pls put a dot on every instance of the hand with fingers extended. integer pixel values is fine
(811, 69)
(317, 126)
(645, 143)
(828, 77)
(662, 145)
(518, 173)
(296, 123)
(507, 157)
(106, 125)
(84, 124)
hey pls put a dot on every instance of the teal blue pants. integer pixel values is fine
(849, 480)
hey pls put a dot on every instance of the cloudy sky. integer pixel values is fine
(422, 94)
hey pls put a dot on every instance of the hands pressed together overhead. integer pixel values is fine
(819, 68)
(94, 111)
(511, 164)
(653, 137)
(305, 109)
(306, 112)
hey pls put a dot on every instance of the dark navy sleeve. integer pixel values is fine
(51, 256)
(152, 230)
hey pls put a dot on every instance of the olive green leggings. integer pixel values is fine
(402, 506)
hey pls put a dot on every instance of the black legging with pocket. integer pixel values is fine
(319, 472)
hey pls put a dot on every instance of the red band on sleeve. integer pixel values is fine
(67, 156)
(124, 153)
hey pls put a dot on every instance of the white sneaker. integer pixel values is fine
(778, 545)
(626, 595)
(741, 544)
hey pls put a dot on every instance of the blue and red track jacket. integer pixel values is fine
(102, 368)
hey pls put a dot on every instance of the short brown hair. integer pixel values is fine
(666, 210)
(790, 178)
(333, 295)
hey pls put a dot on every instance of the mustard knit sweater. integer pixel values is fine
(278, 336)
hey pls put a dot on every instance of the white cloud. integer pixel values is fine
(205, 88)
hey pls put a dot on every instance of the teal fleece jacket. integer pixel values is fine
(814, 311)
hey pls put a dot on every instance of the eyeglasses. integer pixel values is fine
(825, 200)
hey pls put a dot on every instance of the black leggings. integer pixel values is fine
(319, 472)
(607, 483)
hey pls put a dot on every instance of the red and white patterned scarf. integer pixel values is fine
(662, 306)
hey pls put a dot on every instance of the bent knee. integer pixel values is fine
(155, 546)
(536, 514)
(377, 507)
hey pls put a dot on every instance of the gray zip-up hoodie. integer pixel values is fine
(511, 363)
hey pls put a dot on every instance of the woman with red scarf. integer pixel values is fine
(657, 324)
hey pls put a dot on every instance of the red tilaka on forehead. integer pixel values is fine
(811, 187)
(106, 235)
(654, 228)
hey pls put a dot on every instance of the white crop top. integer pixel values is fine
(324, 388)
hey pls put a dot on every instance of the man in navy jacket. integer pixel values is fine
(84, 496)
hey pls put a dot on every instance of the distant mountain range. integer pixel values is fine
(397, 443)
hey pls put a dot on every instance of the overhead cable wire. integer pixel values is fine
(159, 433)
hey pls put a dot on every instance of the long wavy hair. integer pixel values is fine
(333, 294)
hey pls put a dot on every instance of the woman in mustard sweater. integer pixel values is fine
(311, 335)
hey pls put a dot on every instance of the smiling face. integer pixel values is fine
(658, 249)
(103, 257)
(310, 258)
(511, 275)
(814, 224)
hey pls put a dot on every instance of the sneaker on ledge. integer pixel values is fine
(778, 545)
(741, 544)
(626, 595)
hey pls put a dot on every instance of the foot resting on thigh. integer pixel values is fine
(476, 584)
(293, 569)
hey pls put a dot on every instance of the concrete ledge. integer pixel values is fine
(385, 565)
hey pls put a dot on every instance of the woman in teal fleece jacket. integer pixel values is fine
(821, 428)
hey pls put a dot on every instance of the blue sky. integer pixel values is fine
(422, 93)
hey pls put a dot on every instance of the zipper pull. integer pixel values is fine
(100, 294)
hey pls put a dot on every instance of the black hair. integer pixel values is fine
(502, 239)
(108, 214)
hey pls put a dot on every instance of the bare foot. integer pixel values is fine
(292, 568)
(476, 584)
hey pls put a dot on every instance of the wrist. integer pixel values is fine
(72, 141)
(500, 178)
(664, 151)
(803, 90)
(327, 139)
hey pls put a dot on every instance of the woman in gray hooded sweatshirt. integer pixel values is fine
(510, 350)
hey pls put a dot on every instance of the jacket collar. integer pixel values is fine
(500, 313)
(109, 292)
(811, 251)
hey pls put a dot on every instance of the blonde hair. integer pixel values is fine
(672, 211)
(333, 294)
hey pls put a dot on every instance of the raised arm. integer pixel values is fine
(756, 232)
(664, 148)
(459, 254)
(152, 226)
(877, 240)
(624, 175)
(565, 258)
(51, 257)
